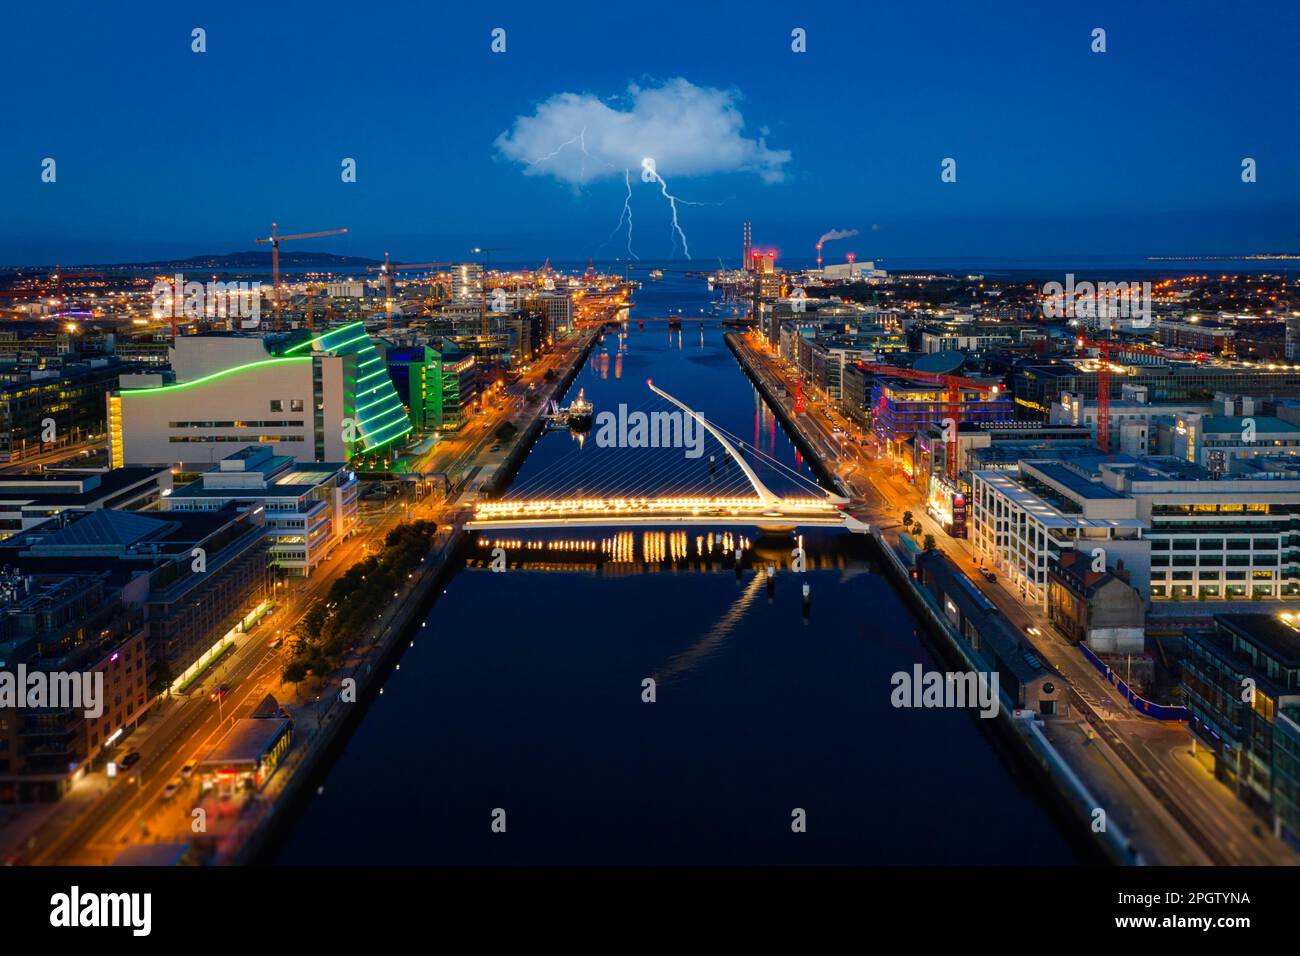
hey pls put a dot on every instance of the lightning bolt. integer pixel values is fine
(626, 213)
(580, 139)
(673, 201)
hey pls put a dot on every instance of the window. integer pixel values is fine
(277, 405)
(295, 405)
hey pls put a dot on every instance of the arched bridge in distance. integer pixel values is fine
(725, 500)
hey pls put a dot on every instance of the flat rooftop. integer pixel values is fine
(74, 488)
(1076, 483)
(249, 739)
(1044, 511)
(1270, 631)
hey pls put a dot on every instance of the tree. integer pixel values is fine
(550, 375)
(928, 542)
(506, 432)
(295, 672)
(917, 529)
(907, 519)
(162, 675)
(314, 620)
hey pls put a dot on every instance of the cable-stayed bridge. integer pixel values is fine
(657, 466)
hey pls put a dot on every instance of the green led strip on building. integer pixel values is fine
(325, 335)
(215, 375)
(372, 424)
(372, 420)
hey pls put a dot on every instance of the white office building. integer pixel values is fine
(313, 397)
(1133, 418)
(349, 289)
(1216, 441)
(309, 507)
(1022, 520)
(1183, 533)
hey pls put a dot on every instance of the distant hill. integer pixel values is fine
(252, 259)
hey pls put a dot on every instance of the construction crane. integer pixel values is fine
(58, 276)
(487, 267)
(275, 239)
(312, 289)
(955, 384)
(482, 308)
(388, 268)
(1105, 348)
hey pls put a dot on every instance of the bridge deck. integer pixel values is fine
(618, 521)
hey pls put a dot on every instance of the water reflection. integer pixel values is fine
(656, 551)
(699, 652)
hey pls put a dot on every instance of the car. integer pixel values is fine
(220, 692)
(130, 760)
(275, 643)
(1032, 631)
(187, 771)
(989, 576)
(495, 448)
(170, 790)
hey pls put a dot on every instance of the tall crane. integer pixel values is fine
(57, 277)
(388, 268)
(275, 239)
(955, 385)
(482, 306)
(487, 251)
(1105, 348)
(312, 289)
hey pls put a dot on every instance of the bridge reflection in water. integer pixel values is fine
(758, 563)
(648, 552)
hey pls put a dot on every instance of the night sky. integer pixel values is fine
(1060, 151)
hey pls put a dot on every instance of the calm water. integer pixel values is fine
(523, 691)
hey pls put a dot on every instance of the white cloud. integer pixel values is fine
(687, 130)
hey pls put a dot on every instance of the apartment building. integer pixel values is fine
(1241, 682)
(67, 624)
(197, 577)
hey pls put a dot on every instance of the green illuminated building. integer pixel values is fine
(321, 397)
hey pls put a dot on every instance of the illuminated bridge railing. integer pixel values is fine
(763, 507)
(616, 508)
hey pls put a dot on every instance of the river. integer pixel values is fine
(523, 691)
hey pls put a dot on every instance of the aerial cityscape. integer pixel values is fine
(771, 440)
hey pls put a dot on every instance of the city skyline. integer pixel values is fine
(730, 443)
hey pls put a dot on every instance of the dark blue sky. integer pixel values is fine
(1060, 151)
